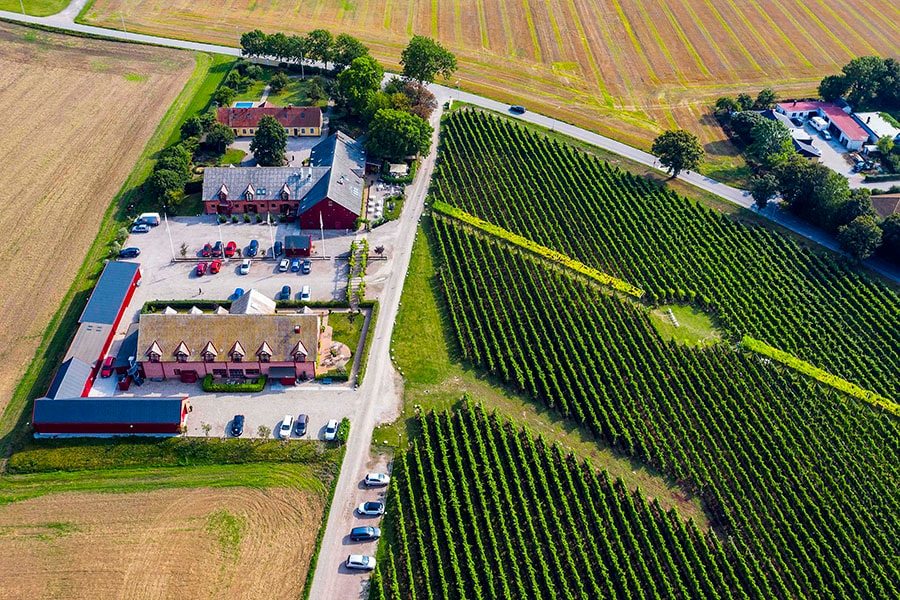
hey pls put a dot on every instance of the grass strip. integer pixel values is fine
(818, 374)
(542, 251)
(314, 559)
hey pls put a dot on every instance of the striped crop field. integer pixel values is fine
(628, 69)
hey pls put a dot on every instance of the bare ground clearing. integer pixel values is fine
(70, 140)
(609, 66)
(179, 543)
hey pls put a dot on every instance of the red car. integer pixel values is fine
(214, 267)
(201, 268)
(207, 250)
(107, 369)
(230, 249)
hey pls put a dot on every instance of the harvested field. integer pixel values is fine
(175, 543)
(613, 66)
(70, 140)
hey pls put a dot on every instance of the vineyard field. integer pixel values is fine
(755, 282)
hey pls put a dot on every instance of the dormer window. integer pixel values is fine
(223, 193)
(154, 352)
(209, 352)
(237, 352)
(299, 352)
(249, 193)
(264, 353)
(182, 352)
(285, 192)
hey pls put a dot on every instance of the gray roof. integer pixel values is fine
(70, 379)
(128, 348)
(253, 303)
(109, 293)
(337, 165)
(107, 410)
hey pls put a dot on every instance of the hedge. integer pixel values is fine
(254, 386)
(882, 177)
(343, 432)
(542, 251)
(818, 374)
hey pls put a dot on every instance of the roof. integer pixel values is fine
(223, 331)
(804, 105)
(886, 204)
(128, 348)
(347, 159)
(267, 182)
(287, 116)
(845, 123)
(298, 242)
(282, 372)
(253, 303)
(777, 116)
(110, 292)
(806, 149)
(108, 410)
(70, 379)
(876, 126)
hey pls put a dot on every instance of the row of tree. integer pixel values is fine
(867, 82)
(319, 45)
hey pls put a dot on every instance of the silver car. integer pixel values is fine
(360, 562)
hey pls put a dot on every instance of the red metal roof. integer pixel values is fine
(802, 106)
(845, 123)
(288, 116)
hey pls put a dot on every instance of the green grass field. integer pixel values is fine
(38, 8)
(295, 93)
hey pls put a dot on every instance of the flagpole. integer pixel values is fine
(322, 229)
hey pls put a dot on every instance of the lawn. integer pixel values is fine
(38, 8)
(347, 327)
(694, 327)
(433, 380)
(295, 93)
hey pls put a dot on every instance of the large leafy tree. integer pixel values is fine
(320, 46)
(394, 134)
(766, 98)
(811, 190)
(864, 76)
(219, 137)
(347, 49)
(254, 43)
(678, 150)
(424, 58)
(771, 142)
(269, 143)
(742, 124)
(890, 236)
(833, 87)
(861, 237)
(357, 83)
(763, 188)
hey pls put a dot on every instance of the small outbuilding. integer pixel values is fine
(107, 417)
(298, 245)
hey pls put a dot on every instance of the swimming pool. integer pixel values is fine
(243, 105)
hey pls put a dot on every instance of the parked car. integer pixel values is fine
(826, 135)
(376, 479)
(245, 266)
(253, 248)
(230, 249)
(360, 562)
(304, 293)
(129, 252)
(238, 292)
(301, 424)
(372, 509)
(201, 268)
(283, 265)
(215, 266)
(107, 369)
(217, 249)
(365, 534)
(140, 228)
(285, 292)
(797, 122)
(295, 265)
(206, 251)
(237, 426)
(286, 424)
(331, 430)
(278, 249)
(306, 266)
(515, 108)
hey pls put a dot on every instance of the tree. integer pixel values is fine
(742, 124)
(765, 99)
(263, 432)
(890, 237)
(833, 87)
(425, 58)
(885, 145)
(269, 143)
(320, 45)
(163, 181)
(316, 91)
(863, 76)
(725, 105)
(347, 49)
(745, 101)
(225, 96)
(357, 83)
(278, 82)
(191, 128)
(253, 43)
(394, 134)
(763, 188)
(771, 144)
(219, 137)
(857, 204)
(678, 150)
(811, 190)
(860, 238)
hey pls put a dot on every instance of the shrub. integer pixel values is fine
(343, 432)
(251, 386)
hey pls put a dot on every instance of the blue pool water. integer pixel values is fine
(243, 105)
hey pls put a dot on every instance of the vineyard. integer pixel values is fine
(754, 281)
(799, 481)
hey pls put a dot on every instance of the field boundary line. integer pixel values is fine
(842, 385)
(654, 31)
(552, 255)
(785, 38)
(825, 29)
(679, 31)
(535, 41)
(635, 42)
(735, 38)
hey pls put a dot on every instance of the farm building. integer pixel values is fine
(298, 121)
(104, 417)
(844, 127)
(876, 126)
(886, 205)
(298, 245)
(328, 192)
(190, 346)
(803, 109)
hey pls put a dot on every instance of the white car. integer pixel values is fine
(245, 266)
(283, 265)
(331, 430)
(285, 430)
(371, 509)
(376, 479)
(140, 228)
(360, 562)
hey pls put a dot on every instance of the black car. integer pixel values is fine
(217, 249)
(129, 252)
(278, 249)
(517, 109)
(365, 534)
(253, 248)
(301, 424)
(286, 292)
(237, 426)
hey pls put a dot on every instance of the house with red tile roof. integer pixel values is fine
(298, 121)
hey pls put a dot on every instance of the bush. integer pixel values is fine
(251, 386)
(343, 432)
(405, 179)
(883, 177)
(182, 305)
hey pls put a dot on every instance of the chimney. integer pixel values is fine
(868, 119)
(795, 103)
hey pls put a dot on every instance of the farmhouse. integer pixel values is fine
(105, 417)
(328, 192)
(848, 129)
(190, 346)
(298, 121)
(876, 126)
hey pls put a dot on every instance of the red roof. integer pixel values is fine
(288, 116)
(803, 106)
(845, 123)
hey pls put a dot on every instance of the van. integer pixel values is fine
(151, 219)
(107, 369)
(818, 123)
(304, 293)
(284, 432)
